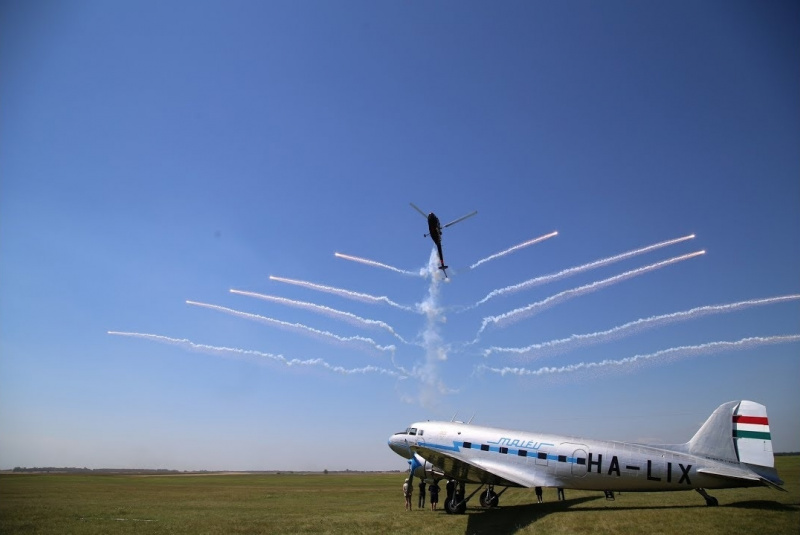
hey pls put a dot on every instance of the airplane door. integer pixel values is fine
(571, 460)
(579, 462)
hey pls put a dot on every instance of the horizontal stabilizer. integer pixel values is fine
(768, 483)
(740, 475)
(731, 473)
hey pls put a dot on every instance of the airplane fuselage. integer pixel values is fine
(476, 454)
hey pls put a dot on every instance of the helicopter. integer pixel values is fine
(435, 231)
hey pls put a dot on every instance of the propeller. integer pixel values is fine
(460, 219)
(415, 207)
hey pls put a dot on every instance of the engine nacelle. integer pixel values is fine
(423, 469)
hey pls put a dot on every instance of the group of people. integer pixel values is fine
(408, 490)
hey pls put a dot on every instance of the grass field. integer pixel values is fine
(367, 503)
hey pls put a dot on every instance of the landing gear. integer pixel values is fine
(489, 498)
(710, 500)
(456, 505)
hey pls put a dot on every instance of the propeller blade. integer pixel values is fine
(415, 207)
(460, 219)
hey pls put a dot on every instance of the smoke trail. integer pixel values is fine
(305, 329)
(581, 340)
(435, 349)
(375, 264)
(666, 355)
(343, 293)
(331, 312)
(512, 249)
(534, 308)
(575, 270)
(248, 353)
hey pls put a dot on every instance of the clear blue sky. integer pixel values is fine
(154, 153)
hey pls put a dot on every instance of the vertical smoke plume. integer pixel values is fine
(435, 349)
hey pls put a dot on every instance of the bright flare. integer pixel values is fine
(375, 264)
(515, 248)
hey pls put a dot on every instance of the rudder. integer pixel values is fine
(737, 431)
(751, 437)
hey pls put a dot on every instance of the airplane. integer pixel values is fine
(733, 448)
(435, 231)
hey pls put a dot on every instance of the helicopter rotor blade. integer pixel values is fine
(460, 219)
(415, 207)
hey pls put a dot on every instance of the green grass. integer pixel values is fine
(367, 503)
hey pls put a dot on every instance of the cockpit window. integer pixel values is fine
(411, 431)
(421, 432)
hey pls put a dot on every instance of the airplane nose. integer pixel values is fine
(399, 445)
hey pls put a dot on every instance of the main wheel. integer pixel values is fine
(449, 507)
(489, 498)
(456, 506)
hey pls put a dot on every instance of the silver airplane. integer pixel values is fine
(733, 448)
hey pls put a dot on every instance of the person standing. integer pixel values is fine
(434, 490)
(451, 490)
(561, 494)
(421, 503)
(539, 494)
(407, 491)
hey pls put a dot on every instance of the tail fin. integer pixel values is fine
(737, 431)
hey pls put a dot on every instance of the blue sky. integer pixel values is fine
(154, 153)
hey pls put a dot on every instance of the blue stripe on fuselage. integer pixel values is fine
(456, 447)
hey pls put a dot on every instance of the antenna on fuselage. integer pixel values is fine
(470, 420)
(453, 419)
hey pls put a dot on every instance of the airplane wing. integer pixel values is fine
(479, 470)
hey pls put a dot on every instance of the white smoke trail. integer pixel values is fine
(545, 279)
(666, 355)
(249, 353)
(581, 340)
(512, 249)
(534, 308)
(375, 264)
(343, 293)
(427, 372)
(305, 329)
(331, 312)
